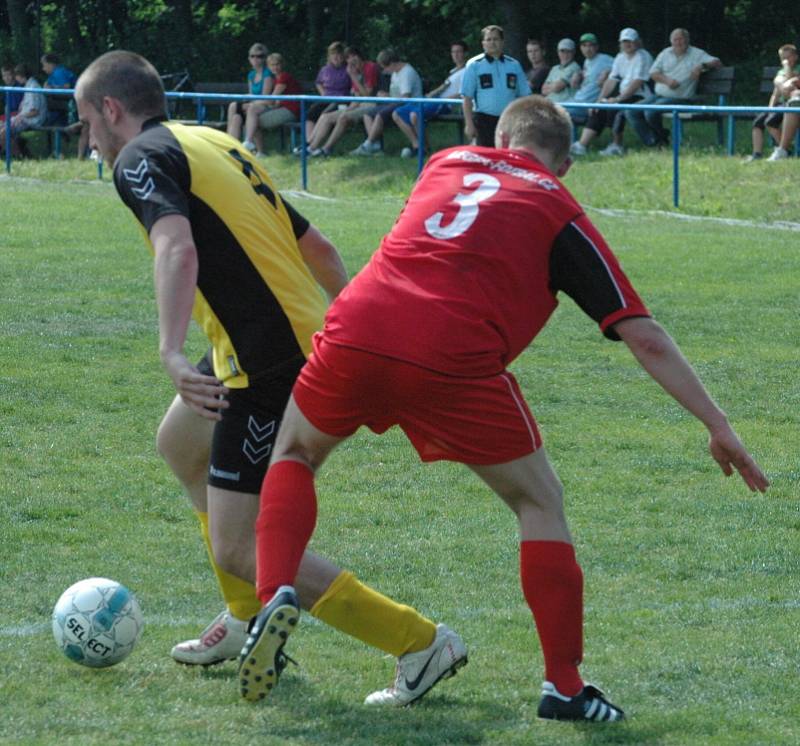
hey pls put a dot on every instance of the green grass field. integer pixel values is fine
(692, 589)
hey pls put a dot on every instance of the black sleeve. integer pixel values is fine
(152, 176)
(582, 266)
(299, 223)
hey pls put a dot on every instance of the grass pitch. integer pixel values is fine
(692, 603)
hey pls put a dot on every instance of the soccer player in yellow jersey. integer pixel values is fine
(232, 253)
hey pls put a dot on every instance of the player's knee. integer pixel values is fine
(545, 498)
(187, 465)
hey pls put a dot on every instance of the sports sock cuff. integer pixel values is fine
(343, 579)
(361, 612)
(547, 552)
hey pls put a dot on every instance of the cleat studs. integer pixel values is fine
(292, 620)
(269, 686)
(282, 634)
(258, 678)
(279, 615)
(262, 695)
(246, 672)
(252, 661)
(271, 672)
(272, 629)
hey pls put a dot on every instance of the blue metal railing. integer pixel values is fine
(200, 99)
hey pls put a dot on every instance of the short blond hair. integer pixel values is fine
(535, 121)
(276, 58)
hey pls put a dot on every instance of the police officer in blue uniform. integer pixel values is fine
(492, 80)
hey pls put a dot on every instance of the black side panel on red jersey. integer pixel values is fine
(580, 268)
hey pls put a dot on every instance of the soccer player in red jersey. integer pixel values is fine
(422, 338)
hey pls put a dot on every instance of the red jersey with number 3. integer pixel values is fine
(470, 272)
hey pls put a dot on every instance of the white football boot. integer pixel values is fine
(418, 673)
(221, 641)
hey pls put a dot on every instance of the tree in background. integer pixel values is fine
(210, 38)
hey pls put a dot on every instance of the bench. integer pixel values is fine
(713, 89)
(214, 113)
(455, 115)
(55, 133)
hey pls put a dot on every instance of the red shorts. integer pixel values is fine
(470, 420)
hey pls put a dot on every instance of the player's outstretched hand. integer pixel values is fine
(202, 394)
(729, 452)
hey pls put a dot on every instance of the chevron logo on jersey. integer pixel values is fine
(137, 176)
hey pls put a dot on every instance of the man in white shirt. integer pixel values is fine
(676, 72)
(32, 111)
(405, 117)
(405, 83)
(629, 75)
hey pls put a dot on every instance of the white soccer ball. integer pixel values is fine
(97, 622)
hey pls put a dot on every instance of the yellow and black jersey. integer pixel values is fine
(256, 299)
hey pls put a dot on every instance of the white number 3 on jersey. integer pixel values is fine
(467, 207)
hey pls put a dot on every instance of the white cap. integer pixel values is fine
(628, 34)
(566, 44)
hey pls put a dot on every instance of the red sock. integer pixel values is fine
(285, 523)
(552, 582)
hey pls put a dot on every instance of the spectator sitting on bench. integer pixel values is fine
(259, 82)
(405, 117)
(558, 86)
(333, 79)
(268, 115)
(788, 88)
(365, 78)
(539, 67)
(62, 77)
(405, 83)
(32, 109)
(14, 99)
(629, 73)
(587, 83)
(771, 121)
(676, 72)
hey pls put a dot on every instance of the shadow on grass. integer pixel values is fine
(318, 719)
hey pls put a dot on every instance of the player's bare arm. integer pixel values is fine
(469, 124)
(660, 357)
(175, 277)
(323, 261)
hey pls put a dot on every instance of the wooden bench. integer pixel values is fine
(55, 133)
(455, 115)
(214, 113)
(713, 89)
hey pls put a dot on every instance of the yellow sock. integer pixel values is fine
(359, 611)
(240, 596)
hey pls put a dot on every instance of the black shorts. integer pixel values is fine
(768, 119)
(485, 125)
(244, 438)
(315, 111)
